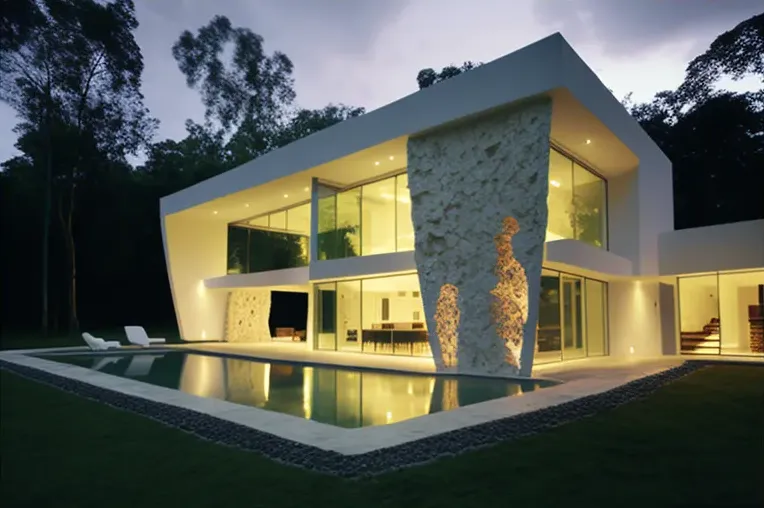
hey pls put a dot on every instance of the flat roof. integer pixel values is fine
(549, 67)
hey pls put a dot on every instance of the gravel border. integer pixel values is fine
(371, 463)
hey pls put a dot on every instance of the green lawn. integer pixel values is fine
(698, 442)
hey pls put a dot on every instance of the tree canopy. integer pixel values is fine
(89, 246)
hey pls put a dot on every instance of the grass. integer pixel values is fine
(697, 442)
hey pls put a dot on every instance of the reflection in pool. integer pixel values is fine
(338, 396)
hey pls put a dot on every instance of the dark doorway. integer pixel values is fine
(288, 310)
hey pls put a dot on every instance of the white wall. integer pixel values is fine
(734, 246)
(635, 319)
(196, 250)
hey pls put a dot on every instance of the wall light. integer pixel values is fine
(631, 350)
(200, 289)
(306, 189)
(554, 183)
(286, 195)
(376, 163)
(214, 212)
(588, 141)
(392, 158)
(204, 334)
(246, 205)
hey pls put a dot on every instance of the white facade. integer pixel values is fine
(438, 174)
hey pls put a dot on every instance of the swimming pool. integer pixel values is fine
(339, 396)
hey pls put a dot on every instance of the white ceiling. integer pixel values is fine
(574, 129)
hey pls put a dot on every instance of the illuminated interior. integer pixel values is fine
(382, 315)
(722, 313)
(373, 218)
(577, 202)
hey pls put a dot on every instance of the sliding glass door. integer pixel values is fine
(573, 344)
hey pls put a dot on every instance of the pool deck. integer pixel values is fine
(582, 378)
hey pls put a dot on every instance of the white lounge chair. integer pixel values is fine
(137, 335)
(103, 361)
(140, 365)
(98, 344)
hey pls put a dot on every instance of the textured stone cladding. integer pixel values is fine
(247, 315)
(466, 182)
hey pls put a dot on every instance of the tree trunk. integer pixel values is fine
(46, 221)
(68, 231)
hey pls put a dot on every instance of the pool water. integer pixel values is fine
(339, 396)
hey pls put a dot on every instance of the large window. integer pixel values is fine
(381, 315)
(270, 242)
(572, 318)
(722, 313)
(577, 202)
(370, 219)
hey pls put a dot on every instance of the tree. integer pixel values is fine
(715, 139)
(736, 53)
(428, 77)
(250, 89)
(309, 121)
(75, 83)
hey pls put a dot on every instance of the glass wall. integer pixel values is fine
(741, 312)
(326, 316)
(577, 202)
(381, 315)
(722, 313)
(370, 219)
(596, 318)
(572, 318)
(385, 315)
(270, 242)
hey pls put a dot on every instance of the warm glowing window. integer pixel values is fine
(577, 202)
(373, 218)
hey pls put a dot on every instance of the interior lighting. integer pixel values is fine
(286, 195)
(246, 205)
(306, 189)
(214, 212)
(588, 141)
(376, 163)
(392, 158)
(631, 350)
(554, 183)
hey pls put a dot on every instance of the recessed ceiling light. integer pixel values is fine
(286, 195)
(214, 212)
(554, 183)
(588, 141)
(376, 163)
(391, 157)
(306, 189)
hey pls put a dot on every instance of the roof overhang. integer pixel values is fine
(375, 144)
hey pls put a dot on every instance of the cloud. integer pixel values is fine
(634, 27)
(315, 34)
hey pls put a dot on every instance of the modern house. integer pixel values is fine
(510, 216)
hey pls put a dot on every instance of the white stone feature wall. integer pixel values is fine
(247, 315)
(465, 180)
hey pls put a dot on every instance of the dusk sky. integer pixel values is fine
(368, 52)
